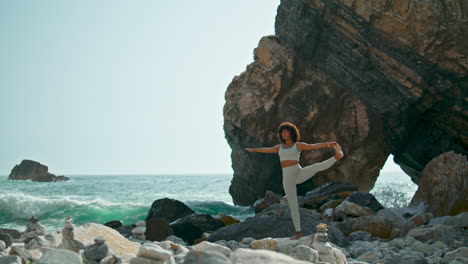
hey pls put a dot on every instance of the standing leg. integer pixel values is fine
(289, 184)
(309, 171)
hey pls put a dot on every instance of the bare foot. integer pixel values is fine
(296, 236)
(338, 152)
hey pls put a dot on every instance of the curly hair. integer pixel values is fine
(295, 135)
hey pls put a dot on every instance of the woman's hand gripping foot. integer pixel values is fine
(338, 152)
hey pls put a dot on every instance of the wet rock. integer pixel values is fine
(125, 231)
(191, 227)
(313, 199)
(15, 234)
(6, 238)
(275, 222)
(114, 224)
(269, 199)
(169, 209)
(158, 229)
(226, 219)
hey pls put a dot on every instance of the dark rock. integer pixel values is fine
(15, 234)
(329, 191)
(126, 231)
(376, 225)
(443, 189)
(10, 260)
(276, 222)
(34, 171)
(460, 220)
(360, 235)
(269, 199)
(157, 229)
(365, 200)
(191, 227)
(444, 233)
(169, 209)
(97, 251)
(352, 73)
(5, 237)
(114, 224)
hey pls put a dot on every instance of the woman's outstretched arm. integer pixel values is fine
(304, 146)
(274, 149)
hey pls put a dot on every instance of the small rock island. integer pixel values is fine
(34, 171)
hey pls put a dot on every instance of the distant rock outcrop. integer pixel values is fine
(378, 77)
(34, 171)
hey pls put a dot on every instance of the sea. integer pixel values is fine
(102, 198)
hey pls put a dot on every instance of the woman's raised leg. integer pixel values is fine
(309, 171)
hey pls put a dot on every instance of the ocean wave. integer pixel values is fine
(18, 207)
(216, 207)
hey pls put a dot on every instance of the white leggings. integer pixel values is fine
(295, 175)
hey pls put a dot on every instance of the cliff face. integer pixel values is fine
(378, 77)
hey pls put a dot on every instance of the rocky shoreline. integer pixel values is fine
(359, 235)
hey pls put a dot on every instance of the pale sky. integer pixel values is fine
(123, 87)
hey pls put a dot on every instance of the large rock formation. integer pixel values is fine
(444, 185)
(378, 77)
(34, 171)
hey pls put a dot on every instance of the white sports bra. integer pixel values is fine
(289, 153)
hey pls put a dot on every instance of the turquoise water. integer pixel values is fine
(103, 198)
(100, 199)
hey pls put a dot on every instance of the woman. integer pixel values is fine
(289, 151)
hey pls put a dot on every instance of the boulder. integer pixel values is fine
(15, 234)
(60, 256)
(335, 190)
(205, 257)
(376, 225)
(157, 229)
(444, 185)
(254, 256)
(360, 235)
(191, 227)
(269, 199)
(444, 233)
(33, 171)
(169, 209)
(461, 252)
(347, 209)
(117, 243)
(275, 222)
(5, 237)
(365, 200)
(305, 253)
(460, 220)
(10, 260)
(205, 245)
